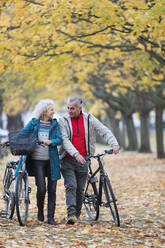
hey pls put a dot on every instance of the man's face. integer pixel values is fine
(73, 109)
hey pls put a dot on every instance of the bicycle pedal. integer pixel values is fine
(93, 180)
(29, 190)
(106, 205)
(5, 197)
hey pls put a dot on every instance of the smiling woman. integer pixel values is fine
(42, 108)
(44, 160)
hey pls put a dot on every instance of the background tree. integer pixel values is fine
(49, 43)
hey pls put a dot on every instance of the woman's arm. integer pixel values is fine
(58, 140)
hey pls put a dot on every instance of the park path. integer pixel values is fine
(139, 184)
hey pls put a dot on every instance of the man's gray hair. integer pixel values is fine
(41, 107)
(77, 99)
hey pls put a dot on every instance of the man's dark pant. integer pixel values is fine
(75, 175)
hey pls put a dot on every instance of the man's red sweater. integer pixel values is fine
(78, 138)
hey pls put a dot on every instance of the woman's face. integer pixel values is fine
(50, 112)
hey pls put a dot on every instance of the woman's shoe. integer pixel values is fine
(40, 215)
(52, 222)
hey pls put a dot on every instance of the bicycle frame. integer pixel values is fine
(95, 179)
(22, 169)
(21, 165)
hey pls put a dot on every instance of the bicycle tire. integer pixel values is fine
(111, 200)
(91, 201)
(9, 196)
(22, 198)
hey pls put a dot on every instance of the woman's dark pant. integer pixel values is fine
(75, 175)
(42, 169)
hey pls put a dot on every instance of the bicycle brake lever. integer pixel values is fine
(87, 158)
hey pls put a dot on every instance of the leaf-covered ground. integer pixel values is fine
(139, 184)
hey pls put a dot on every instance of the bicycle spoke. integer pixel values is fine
(9, 196)
(10, 205)
(91, 201)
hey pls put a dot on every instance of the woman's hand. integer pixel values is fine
(3, 143)
(47, 142)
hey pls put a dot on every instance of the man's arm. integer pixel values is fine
(106, 133)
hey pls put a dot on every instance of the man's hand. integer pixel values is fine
(116, 149)
(80, 159)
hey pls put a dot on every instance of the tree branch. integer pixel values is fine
(77, 38)
(34, 2)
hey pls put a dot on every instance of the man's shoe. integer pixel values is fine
(40, 216)
(71, 220)
(52, 222)
(78, 220)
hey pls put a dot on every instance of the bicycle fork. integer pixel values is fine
(27, 188)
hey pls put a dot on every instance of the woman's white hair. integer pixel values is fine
(41, 107)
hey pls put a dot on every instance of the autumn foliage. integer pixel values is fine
(109, 50)
(50, 42)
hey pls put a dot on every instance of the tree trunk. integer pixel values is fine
(1, 150)
(14, 123)
(1, 124)
(123, 134)
(114, 126)
(159, 132)
(145, 132)
(131, 133)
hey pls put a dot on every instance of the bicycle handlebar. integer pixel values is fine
(40, 143)
(99, 155)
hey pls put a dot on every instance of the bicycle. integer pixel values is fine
(16, 189)
(94, 196)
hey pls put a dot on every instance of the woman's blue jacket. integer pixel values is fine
(56, 139)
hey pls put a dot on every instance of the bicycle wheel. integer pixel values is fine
(109, 200)
(22, 198)
(91, 201)
(9, 197)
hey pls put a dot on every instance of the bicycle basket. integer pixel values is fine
(22, 143)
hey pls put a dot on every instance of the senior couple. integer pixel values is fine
(75, 133)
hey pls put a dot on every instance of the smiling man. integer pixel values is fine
(79, 130)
